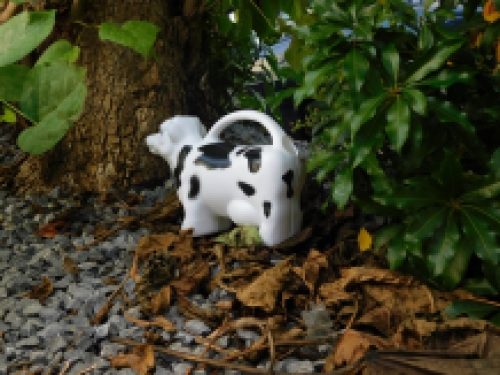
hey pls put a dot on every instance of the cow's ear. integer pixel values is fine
(203, 130)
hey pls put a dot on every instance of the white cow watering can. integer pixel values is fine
(218, 182)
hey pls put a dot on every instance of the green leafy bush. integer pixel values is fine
(409, 128)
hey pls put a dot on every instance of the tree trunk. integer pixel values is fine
(127, 98)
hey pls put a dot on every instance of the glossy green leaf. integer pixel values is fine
(406, 198)
(425, 223)
(365, 141)
(495, 163)
(490, 189)
(384, 235)
(396, 252)
(365, 113)
(318, 159)
(398, 123)
(432, 60)
(443, 246)
(11, 81)
(23, 33)
(390, 59)
(480, 287)
(355, 67)
(474, 309)
(492, 273)
(330, 165)
(446, 112)
(480, 236)
(457, 267)
(425, 38)
(138, 35)
(342, 187)
(446, 78)
(59, 50)
(417, 100)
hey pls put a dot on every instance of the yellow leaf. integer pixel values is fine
(364, 240)
(475, 38)
(490, 12)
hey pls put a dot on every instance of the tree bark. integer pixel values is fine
(127, 97)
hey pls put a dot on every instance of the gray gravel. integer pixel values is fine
(59, 332)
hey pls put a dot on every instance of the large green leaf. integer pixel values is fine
(425, 223)
(384, 235)
(480, 236)
(489, 189)
(138, 35)
(53, 96)
(342, 187)
(330, 165)
(11, 81)
(417, 100)
(474, 309)
(425, 38)
(446, 112)
(457, 267)
(492, 274)
(432, 60)
(396, 252)
(355, 67)
(443, 246)
(365, 141)
(480, 287)
(365, 113)
(398, 123)
(390, 59)
(59, 50)
(447, 77)
(23, 33)
(409, 198)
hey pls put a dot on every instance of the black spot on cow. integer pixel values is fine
(267, 208)
(254, 158)
(180, 164)
(215, 155)
(249, 190)
(288, 178)
(194, 187)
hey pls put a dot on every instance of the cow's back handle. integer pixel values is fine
(279, 138)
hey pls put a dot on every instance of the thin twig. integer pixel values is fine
(65, 367)
(60, 356)
(88, 369)
(217, 362)
(8, 12)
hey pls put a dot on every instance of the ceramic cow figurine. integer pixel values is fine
(218, 183)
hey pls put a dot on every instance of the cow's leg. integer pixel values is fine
(202, 219)
(275, 226)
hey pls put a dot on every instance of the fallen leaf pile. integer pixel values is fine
(324, 286)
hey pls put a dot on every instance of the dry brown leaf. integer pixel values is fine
(295, 240)
(161, 301)
(70, 266)
(50, 230)
(160, 321)
(41, 291)
(359, 275)
(191, 275)
(142, 359)
(332, 294)
(383, 319)
(484, 345)
(352, 346)
(156, 242)
(309, 272)
(264, 290)
(239, 277)
(213, 318)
